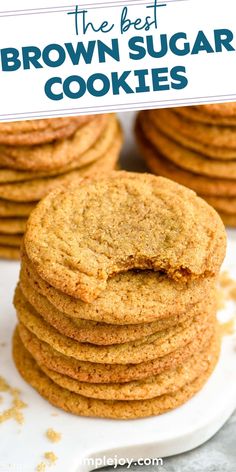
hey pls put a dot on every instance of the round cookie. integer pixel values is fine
(227, 109)
(197, 113)
(222, 137)
(80, 405)
(168, 382)
(126, 292)
(190, 142)
(80, 236)
(9, 252)
(26, 192)
(34, 132)
(18, 209)
(104, 373)
(148, 348)
(11, 239)
(78, 159)
(184, 157)
(224, 205)
(12, 225)
(159, 165)
(94, 332)
(56, 154)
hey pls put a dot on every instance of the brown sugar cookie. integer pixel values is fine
(224, 205)
(80, 236)
(45, 157)
(18, 209)
(100, 147)
(164, 298)
(74, 148)
(185, 158)
(224, 137)
(9, 252)
(81, 405)
(168, 382)
(26, 192)
(34, 132)
(220, 109)
(143, 350)
(12, 225)
(190, 142)
(159, 165)
(104, 373)
(92, 331)
(199, 114)
(11, 239)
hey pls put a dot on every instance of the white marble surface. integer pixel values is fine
(217, 455)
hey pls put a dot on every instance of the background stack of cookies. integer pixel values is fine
(116, 300)
(36, 156)
(195, 146)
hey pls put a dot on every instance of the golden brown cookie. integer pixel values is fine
(34, 132)
(11, 239)
(159, 165)
(184, 157)
(143, 350)
(168, 382)
(54, 155)
(12, 225)
(222, 204)
(222, 137)
(74, 148)
(26, 192)
(227, 109)
(105, 373)
(9, 252)
(80, 405)
(190, 141)
(199, 114)
(94, 332)
(18, 209)
(80, 236)
(122, 301)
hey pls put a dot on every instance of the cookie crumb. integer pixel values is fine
(51, 457)
(232, 293)
(225, 279)
(228, 328)
(41, 467)
(53, 436)
(14, 412)
(227, 290)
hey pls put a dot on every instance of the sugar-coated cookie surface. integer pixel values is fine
(96, 332)
(33, 132)
(186, 158)
(80, 236)
(168, 382)
(123, 300)
(148, 348)
(84, 406)
(160, 165)
(94, 372)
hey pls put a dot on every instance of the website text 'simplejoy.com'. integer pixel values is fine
(98, 462)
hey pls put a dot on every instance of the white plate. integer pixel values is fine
(180, 430)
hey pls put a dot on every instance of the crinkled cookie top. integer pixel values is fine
(81, 235)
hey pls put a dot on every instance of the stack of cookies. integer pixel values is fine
(36, 156)
(116, 301)
(195, 146)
